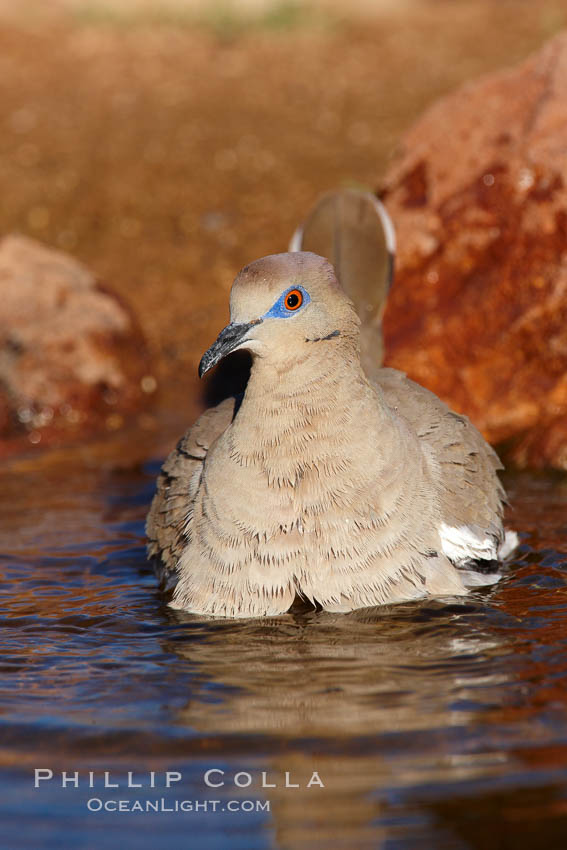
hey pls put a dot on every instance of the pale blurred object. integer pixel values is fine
(352, 229)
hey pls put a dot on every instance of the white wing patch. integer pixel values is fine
(461, 544)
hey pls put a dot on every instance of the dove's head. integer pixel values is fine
(283, 305)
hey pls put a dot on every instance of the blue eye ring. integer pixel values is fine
(289, 303)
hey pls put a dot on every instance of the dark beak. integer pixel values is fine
(228, 339)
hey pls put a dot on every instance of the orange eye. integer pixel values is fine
(294, 299)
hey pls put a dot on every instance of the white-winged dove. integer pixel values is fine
(345, 486)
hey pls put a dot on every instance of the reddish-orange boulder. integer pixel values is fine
(71, 356)
(478, 312)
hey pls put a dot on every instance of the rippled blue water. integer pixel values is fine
(440, 724)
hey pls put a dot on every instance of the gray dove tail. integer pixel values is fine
(352, 229)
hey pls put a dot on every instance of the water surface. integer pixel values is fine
(440, 724)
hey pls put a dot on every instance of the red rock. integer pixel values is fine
(72, 358)
(478, 312)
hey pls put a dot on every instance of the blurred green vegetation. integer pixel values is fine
(224, 19)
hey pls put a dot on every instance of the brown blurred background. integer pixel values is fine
(165, 144)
